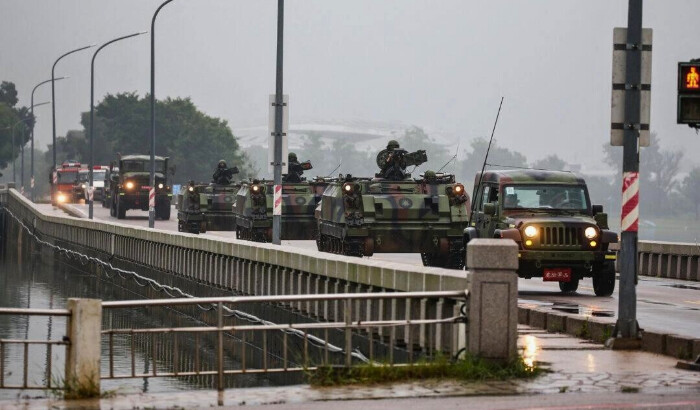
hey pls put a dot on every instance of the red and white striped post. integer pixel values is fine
(630, 202)
(277, 208)
(152, 200)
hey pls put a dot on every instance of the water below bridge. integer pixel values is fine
(27, 281)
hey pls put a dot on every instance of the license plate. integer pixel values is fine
(557, 274)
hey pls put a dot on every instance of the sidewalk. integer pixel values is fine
(577, 366)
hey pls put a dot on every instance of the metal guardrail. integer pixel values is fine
(315, 334)
(26, 343)
(271, 359)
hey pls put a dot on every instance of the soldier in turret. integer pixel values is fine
(394, 160)
(295, 169)
(223, 174)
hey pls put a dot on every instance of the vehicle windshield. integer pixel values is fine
(67, 177)
(98, 175)
(570, 197)
(83, 176)
(142, 166)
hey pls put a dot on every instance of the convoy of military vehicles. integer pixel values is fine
(561, 236)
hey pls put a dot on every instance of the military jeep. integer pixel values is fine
(561, 237)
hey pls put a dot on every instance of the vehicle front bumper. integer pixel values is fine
(582, 263)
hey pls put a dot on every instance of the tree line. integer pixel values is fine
(195, 142)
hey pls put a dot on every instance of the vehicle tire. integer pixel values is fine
(604, 281)
(112, 209)
(180, 226)
(121, 210)
(163, 211)
(569, 287)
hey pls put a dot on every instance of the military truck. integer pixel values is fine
(253, 209)
(560, 235)
(129, 186)
(394, 213)
(206, 207)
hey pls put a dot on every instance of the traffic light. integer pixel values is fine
(689, 93)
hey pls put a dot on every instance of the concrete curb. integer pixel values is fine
(598, 331)
(72, 211)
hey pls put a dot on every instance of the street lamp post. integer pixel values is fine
(151, 193)
(53, 98)
(31, 131)
(277, 219)
(92, 115)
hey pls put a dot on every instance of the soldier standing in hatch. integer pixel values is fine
(222, 174)
(295, 169)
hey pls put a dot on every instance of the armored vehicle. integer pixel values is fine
(129, 186)
(362, 216)
(560, 235)
(189, 213)
(254, 203)
(206, 207)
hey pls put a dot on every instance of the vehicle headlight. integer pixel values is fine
(191, 189)
(129, 185)
(160, 186)
(60, 198)
(258, 189)
(84, 186)
(347, 188)
(530, 231)
(458, 189)
(590, 232)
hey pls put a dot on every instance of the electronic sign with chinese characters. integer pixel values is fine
(689, 93)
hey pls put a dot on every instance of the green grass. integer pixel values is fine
(466, 369)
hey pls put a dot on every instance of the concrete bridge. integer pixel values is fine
(452, 310)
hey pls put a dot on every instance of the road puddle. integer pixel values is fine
(576, 309)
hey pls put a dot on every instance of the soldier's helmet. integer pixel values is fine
(292, 157)
(430, 176)
(222, 164)
(393, 144)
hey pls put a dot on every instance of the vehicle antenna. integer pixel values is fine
(481, 175)
(454, 157)
(334, 169)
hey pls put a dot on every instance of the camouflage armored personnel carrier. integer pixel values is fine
(189, 214)
(394, 213)
(206, 207)
(561, 236)
(254, 204)
(253, 209)
(202, 207)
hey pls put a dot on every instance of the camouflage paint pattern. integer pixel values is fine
(408, 216)
(214, 210)
(559, 240)
(299, 201)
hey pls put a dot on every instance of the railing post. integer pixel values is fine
(83, 357)
(493, 298)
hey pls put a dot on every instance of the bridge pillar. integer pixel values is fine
(83, 357)
(493, 298)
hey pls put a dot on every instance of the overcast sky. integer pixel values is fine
(438, 64)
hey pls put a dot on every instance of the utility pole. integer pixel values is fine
(279, 106)
(626, 327)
